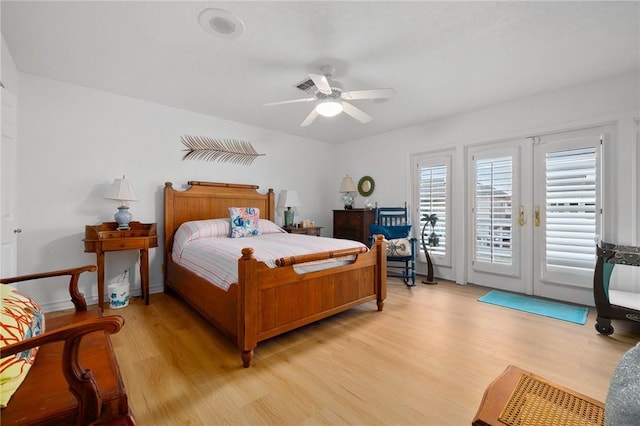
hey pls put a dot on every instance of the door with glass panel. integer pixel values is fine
(567, 213)
(536, 212)
(499, 242)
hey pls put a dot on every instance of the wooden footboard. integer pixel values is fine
(276, 300)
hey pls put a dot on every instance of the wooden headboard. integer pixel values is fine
(210, 200)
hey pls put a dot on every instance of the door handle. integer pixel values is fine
(17, 231)
(536, 215)
(521, 218)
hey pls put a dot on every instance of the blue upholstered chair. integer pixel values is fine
(393, 224)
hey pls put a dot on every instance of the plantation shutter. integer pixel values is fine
(433, 200)
(493, 211)
(570, 228)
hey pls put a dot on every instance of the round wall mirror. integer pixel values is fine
(366, 185)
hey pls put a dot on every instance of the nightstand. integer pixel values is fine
(103, 238)
(309, 230)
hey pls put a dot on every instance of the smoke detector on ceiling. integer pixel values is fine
(221, 23)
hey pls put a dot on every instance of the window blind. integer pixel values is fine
(433, 199)
(493, 211)
(570, 229)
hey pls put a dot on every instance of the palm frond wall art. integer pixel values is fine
(223, 150)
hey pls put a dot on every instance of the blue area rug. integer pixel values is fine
(537, 306)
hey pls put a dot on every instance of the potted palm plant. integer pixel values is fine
(429, 240)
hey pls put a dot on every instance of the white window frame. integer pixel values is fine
(429, 160)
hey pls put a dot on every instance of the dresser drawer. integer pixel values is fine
(123, 244)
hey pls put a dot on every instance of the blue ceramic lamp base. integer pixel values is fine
(123, 217)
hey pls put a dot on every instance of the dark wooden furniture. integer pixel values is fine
(563, 404)
(309, 230)
(75, 379)
(100, 239)
(353, 224)
(265, 302)
(610, 255)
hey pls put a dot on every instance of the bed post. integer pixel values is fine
(168, 230)
(247, 306)
(381, 271)
(271, 202)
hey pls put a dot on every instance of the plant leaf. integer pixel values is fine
(226, 150)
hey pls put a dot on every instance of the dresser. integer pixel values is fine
(353, 224)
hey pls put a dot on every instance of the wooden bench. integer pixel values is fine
(75, 379)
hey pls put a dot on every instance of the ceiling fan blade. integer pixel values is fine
(290, 102)
(356, 113)
(368, 94)
(312, 116)
(322, 83)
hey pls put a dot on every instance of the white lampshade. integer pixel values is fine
(329, 108)
(121, 190)
(288, 198)
(347, 184)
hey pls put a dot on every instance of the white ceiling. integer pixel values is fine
(442, 58)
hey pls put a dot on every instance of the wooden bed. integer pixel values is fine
(265, 302)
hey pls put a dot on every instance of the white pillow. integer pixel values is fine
(196, 229)
(399, 247)
(268, 227)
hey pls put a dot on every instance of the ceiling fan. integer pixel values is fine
(331, 99)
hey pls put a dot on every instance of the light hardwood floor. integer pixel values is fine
(425, 360)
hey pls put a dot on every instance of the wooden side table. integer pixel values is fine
(309, 230)
(100, 239)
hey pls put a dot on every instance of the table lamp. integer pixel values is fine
(288, 199)
(347, 188)
(121, 190)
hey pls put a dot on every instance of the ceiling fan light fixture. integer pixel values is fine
(329, 108)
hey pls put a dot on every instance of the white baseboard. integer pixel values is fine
(62, 305)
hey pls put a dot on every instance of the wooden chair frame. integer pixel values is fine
(68, 342)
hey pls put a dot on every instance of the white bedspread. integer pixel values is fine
(216, 259)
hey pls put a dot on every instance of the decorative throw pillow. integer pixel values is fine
(399, 247)
(21, 318)
(390, 232)
(244, 221)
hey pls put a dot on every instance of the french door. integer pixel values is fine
(536, 214)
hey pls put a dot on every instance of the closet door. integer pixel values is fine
(8, 184)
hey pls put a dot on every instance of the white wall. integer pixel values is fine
(8, 70)
(74, 141)
(387, 157)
